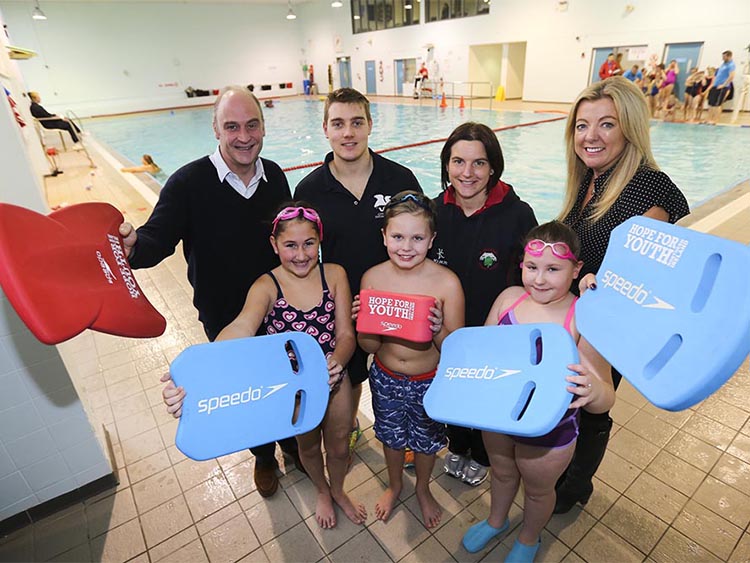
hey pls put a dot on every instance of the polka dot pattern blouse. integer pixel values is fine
(648, 188)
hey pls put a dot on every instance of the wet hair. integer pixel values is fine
(347, 96)
(471, 131)
(281, 224)
(633, 118)
(555, 231)
(148, 160)
(240, 90)
(728, 53)
(415, 203)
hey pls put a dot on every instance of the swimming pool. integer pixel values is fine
(702, 161)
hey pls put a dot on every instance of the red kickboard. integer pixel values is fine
(395, 314)
(67, 271)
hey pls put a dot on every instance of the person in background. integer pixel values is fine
(220, 207)
(608, 68)
(700, 98)
(481, 223)
(147, 165)
(721, 89)
(634, 75)
(612, 176)
(693, 88)
(50, 120)
(350, 191)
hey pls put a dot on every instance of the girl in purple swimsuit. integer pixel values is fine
(549, 266)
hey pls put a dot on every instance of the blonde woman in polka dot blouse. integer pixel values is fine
(612, 176)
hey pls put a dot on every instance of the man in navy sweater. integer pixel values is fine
(220, 207)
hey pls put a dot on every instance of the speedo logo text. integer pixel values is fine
(251, 394)
(485, 373)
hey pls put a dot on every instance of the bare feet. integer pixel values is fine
(385, 504)
(354, 511)
(431, 511)
(324, 511)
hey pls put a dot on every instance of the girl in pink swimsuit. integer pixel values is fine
(549, 267)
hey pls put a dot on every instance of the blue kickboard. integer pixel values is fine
(671, 311)
(241, 393)
(487, 374)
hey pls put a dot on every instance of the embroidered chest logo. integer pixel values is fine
(440, 257)
(381, 201)
(488, 259)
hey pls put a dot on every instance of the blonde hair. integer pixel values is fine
(633, 117)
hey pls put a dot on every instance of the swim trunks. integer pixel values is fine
(400, 418)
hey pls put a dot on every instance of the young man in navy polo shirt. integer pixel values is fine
(350, 191)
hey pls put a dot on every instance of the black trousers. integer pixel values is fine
(264, 454)
(467, 442)
(64, 125)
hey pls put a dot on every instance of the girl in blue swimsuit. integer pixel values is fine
(549, 266)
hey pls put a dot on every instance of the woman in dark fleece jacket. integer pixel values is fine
(481, 224)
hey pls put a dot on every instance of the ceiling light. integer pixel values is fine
(37, 14)
(336, 4)
(356, 16)
(290, 15)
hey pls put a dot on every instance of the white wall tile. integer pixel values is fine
(6, 463)
(25, 350)
(31, 448)
(58, 406)
(71, 431)
(13, 488)
(20, 506)
(13, 390)
(47, 377)
(59, 488)
(93, 473)
(9, 321)
(7, 364)
(46, 472)
(84, 455)
(18, 421)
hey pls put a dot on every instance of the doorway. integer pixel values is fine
(405, 70)
(345, 72)
(687, 56)
(371, 82)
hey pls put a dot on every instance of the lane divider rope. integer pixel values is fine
(431, 141)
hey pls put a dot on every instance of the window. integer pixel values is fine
(436, 10)
(373, 15)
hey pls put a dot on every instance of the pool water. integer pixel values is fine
(701, 160)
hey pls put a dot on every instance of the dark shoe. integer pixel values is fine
(294, 454)
(567, 499)
(265, 478)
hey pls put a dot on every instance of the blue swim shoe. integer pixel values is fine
(480, 534)
(522, 553)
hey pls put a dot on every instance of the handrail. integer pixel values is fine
(456, 89)
(70, 114)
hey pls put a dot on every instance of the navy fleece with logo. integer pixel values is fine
(484, 249)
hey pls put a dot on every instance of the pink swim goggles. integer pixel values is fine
(294, 212)
(560, 249)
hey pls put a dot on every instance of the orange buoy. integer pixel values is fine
(461, 104)
(442, 102)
